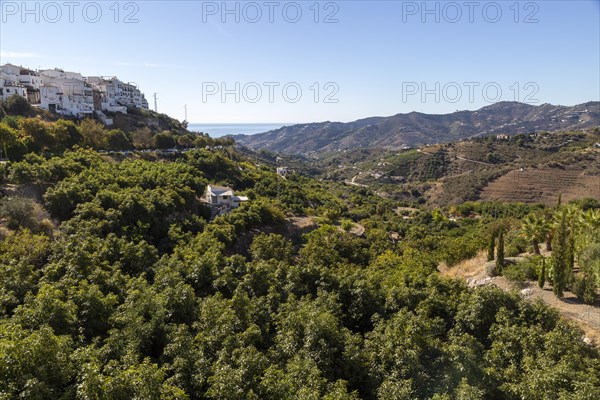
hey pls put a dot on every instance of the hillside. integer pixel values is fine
(543, 185)
(116, 283)
(27, 129)
(414, 129)
(524, 168)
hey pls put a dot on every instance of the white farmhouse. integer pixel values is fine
(223, 196)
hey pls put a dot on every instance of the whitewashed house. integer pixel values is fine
(51, 98)
(57, 73)
(67, 96)
(10, 72)
(65, 92)
(116, 95)
(10, 87)
(223, 196)
(32, 82)
(9, 82)
(21, 77)
(282, 171)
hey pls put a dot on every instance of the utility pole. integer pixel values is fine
(155, 104)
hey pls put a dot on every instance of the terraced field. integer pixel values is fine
(542, 185)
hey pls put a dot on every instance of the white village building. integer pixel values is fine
(70, 93)
(9, 87)
(66, 93)
(9, 82)
(116, 95)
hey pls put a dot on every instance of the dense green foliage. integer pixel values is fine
(136, 294)
(22, 133)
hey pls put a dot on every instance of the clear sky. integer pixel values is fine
(305, 61)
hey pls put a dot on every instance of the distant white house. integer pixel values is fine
(223, 197)
(282, 171)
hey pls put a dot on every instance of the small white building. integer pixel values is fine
(9, 88)
(282, 171)
(21, 77)
(219, 196)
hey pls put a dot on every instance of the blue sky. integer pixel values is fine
(338, 60)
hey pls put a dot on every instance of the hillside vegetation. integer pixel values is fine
(114, 284)
(25, 129)
(523, 168)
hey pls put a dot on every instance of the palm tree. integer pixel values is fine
(535, 230)
(590, 221)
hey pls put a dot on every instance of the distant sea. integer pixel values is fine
(218, 130)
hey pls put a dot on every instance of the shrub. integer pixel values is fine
(18, 211)
(584, 287)
(515, 244)
(17, 105)
(527, 270)
(347, 225)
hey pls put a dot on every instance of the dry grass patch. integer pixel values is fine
(467, 268)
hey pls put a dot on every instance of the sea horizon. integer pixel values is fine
(216, 130)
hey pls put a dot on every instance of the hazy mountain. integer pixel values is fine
(415, 128)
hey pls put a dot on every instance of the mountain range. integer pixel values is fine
(414, 129)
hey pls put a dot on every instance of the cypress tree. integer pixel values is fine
(500, 252)
(542, 277)
(491, 247)
(560, 256)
